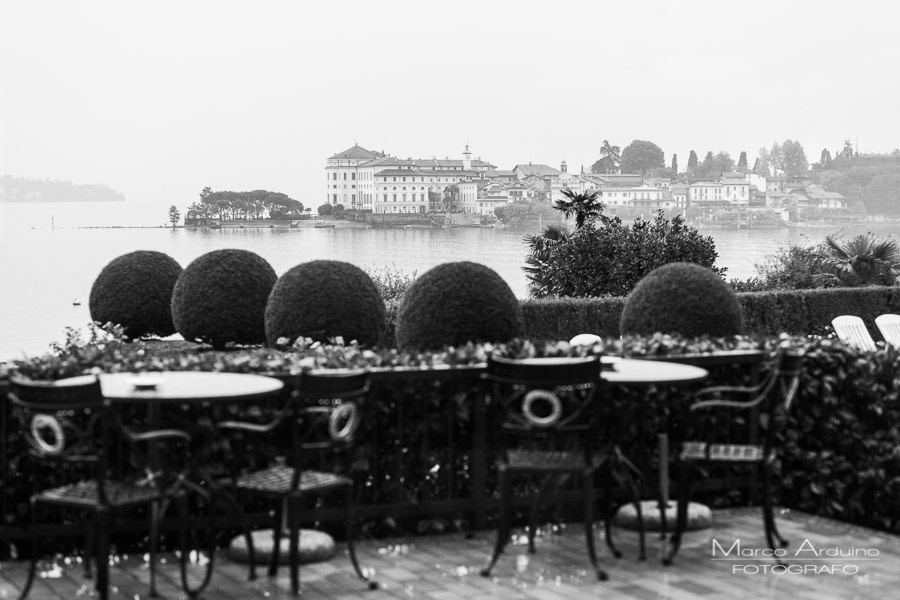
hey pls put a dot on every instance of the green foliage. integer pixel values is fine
(791, 267)
(682, 298)
(525, 212)
(540, 246)
(640, 156)
(243, 205)
(325, 210)
(174, 215)
(455, 303)
(862, 260)
(610, 260)
(221, 297)
(609, 159)
(584, 206)
(391, 281)
(322, 300)
(135, 292)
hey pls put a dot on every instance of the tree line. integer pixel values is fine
(869, 183)
(237, 206)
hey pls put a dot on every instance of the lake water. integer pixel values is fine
(52, 253)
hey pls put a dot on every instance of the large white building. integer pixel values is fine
(364, 179)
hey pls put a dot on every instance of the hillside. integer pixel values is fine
(23, 189)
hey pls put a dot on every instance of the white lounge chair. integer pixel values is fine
(889, 326)
(852, 331)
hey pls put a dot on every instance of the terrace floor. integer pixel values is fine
(446, 568)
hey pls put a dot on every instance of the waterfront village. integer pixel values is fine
(378, 183)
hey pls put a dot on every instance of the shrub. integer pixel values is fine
(682, 298)
(457, 302)
(609, 260)
(324, 299)
(325, 209)
(391, 282)
(135, 292)
(221, 298)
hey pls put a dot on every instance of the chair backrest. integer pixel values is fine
(851, 330)
(329, 408)
(889, 326)
(61, 421)
(548, 400)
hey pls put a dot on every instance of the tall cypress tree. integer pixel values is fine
(692, 161)
(675, 164)
(742, 162)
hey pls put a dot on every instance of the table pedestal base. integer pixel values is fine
(699, 516)
(315, 546)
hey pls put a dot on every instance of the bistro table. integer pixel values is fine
(641, 372)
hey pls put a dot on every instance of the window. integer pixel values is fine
(395, 179)
(404, 179)
(385, 197)
(345, 177)
(395, 197)
(353, 176)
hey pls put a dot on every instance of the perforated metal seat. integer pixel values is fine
(737, 453)
(277, 479)
(87, 494)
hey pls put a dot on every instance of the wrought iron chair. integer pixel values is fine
(322, 415)
(852, 331)
(72, 429)
(708, 443)
(889, 326)
(550, 427)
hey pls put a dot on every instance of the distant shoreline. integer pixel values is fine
(304, 224)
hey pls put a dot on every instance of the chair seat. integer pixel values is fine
(545, 460)
(277, 480)
(738, 453)
(86, 493)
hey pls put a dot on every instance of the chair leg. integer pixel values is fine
(348, 524)
(606, 494)
(772, 533)
(549, 483)
(245, 529)
(503, 527)
(293, 517)
(102, 584)
(642, 530)
(155, 513)
(32, 567)
(88, 550)
(276, 538)
(589, 525)
(684, 497)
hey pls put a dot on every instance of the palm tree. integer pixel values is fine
(586, 206)
(862, 260)
(540, 247)
(612, 154)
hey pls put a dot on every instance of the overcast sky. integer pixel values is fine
(159, 99)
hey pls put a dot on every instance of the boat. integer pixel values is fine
(215, 226)
(76, 302)
(323, 225)
(295, 224)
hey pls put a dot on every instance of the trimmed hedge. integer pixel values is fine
(134, 291)
(221, 298)
(324, 299)
(455, 303)
(800, 312)
(683, 298)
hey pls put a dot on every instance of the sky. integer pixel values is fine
(160, 99)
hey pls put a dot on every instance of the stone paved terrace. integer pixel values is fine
(446, 568)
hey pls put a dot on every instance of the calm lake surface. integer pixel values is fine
(52, 252)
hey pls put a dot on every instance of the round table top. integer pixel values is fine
(649, 372)
(183, 386)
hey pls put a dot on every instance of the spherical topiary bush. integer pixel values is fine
(221, 298)
(682, 298)
(135, 291)
(458, 302)
(324, 299)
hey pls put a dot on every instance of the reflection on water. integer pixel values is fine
(47, 269)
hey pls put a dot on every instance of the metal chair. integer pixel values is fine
(708, 443)
(72, 431)
(549, 419)
(322, 415)
(851, 330)
(889, 326)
